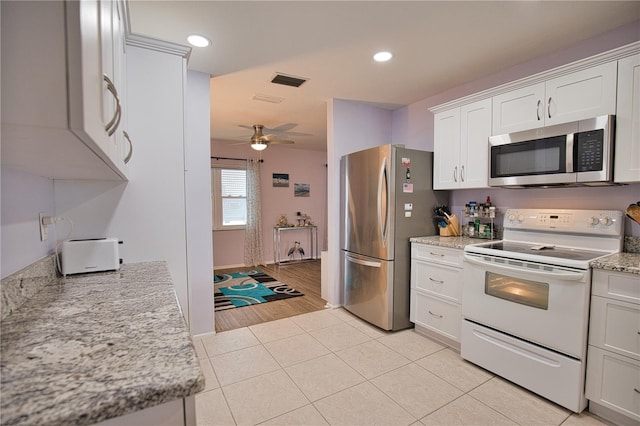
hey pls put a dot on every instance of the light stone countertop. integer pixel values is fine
(87, 348)
(620, 262)
(450, 242)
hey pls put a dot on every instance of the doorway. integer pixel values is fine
(303, 276)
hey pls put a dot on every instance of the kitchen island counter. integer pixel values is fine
(620, 262)
(450, 242)
(87, 348)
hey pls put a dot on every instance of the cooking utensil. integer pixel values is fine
(633, 212)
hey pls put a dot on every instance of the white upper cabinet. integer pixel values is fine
(475, 129)
(446, 147)
(60, 110)
(627, 149)
(579, 95)
(461, 146)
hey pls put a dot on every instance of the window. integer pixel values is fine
(229, 198)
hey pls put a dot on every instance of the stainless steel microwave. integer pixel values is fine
(575, 153)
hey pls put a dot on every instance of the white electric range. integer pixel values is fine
(525, 298)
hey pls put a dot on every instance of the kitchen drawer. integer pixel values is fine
(444, 281)
(616, 285)
(614, 381)
(436, 314)
(441, 255)
(615, 326)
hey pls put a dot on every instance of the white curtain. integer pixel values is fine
(253, 254)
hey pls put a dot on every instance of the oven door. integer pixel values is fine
(542, 304)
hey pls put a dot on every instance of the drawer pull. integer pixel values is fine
(435, 315)
(436, 281)
(436, 254)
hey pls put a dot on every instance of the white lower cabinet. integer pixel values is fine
(436, 292)
(613, 357)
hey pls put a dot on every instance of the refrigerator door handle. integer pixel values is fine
(363, 262)
(383, 202)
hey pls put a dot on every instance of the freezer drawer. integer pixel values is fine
(368, 288)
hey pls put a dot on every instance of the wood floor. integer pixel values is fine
(304, 277)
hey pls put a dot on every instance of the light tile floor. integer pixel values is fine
(329, 367)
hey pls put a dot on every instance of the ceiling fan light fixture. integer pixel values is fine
(258, 146)
(198, 40)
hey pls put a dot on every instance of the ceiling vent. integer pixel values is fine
(288, 80)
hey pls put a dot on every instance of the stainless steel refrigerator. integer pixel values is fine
(386, 198)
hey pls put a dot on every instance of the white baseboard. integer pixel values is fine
(201, 335)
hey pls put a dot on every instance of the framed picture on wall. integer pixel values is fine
(281, 180)
(301, 189)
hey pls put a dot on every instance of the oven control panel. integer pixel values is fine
(595, 222)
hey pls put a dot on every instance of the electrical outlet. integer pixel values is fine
(43, 227)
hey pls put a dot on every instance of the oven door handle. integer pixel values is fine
(564, 275)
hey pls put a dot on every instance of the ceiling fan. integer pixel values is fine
(260, 141)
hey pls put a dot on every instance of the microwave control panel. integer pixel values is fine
(589, 155)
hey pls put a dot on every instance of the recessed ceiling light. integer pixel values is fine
(382, 56)
(198, 40)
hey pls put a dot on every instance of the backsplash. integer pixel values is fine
(17, 288)
(631, 245)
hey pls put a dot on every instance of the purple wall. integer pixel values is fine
(303, 167)
(24, 196)
(413, 126)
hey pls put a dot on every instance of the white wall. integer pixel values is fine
(303, 166)
(198, 203)
(23, 197)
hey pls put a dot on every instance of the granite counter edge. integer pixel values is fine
(186, 385)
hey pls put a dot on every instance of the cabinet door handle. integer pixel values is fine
(435, 315)
(112, 125)
(455, 174)
(637, 390)
(128, 157)
(549, 107)
(461, 173)
(436, 281)
(436, 254)
(538, 109)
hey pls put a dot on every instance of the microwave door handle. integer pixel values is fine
(569, 154)
(567, 276)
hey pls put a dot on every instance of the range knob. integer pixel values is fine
(593, 221)
(606, 221)
(512, 217)
(520, 218)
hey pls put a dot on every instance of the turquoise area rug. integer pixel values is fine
(240, 289)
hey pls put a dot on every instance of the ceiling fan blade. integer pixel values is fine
(280, 141)
(275, 139)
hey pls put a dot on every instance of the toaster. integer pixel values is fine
(90, 255)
